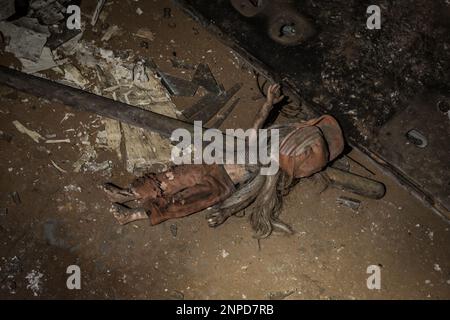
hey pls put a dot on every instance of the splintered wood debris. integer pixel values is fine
(118, 75)
(25, 43)
(131, 82)
(32, 38)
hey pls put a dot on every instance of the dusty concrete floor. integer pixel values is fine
(54, 227)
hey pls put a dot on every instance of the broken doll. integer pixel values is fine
(224, 190)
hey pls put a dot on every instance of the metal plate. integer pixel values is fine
(428, 166)
(363, 77)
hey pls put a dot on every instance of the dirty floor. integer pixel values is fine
(52, 218)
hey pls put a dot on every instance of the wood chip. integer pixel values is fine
(58, 167)
(145, 33)
(58, 141)
(32, 134)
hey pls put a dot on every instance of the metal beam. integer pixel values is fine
(84, 101)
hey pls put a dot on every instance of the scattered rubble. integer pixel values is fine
(110, 137)
(32, 38)
(105, 166)
(88, 154)
(87, 163)
(119, 75)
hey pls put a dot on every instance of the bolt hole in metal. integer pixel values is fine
(290, 28)
(417, 138)
(443, 106)
(286, 26)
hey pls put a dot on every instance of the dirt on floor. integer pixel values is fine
(56, 218)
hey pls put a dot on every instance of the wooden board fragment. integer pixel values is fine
(148, 151)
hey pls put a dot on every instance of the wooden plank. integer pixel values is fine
(148, 151)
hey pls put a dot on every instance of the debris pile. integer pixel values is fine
(132, 80)
(119, 75)
(33, 37)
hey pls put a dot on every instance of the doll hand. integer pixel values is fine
(273, 94)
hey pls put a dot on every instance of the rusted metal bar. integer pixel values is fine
(356, 184)
(84, 101)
